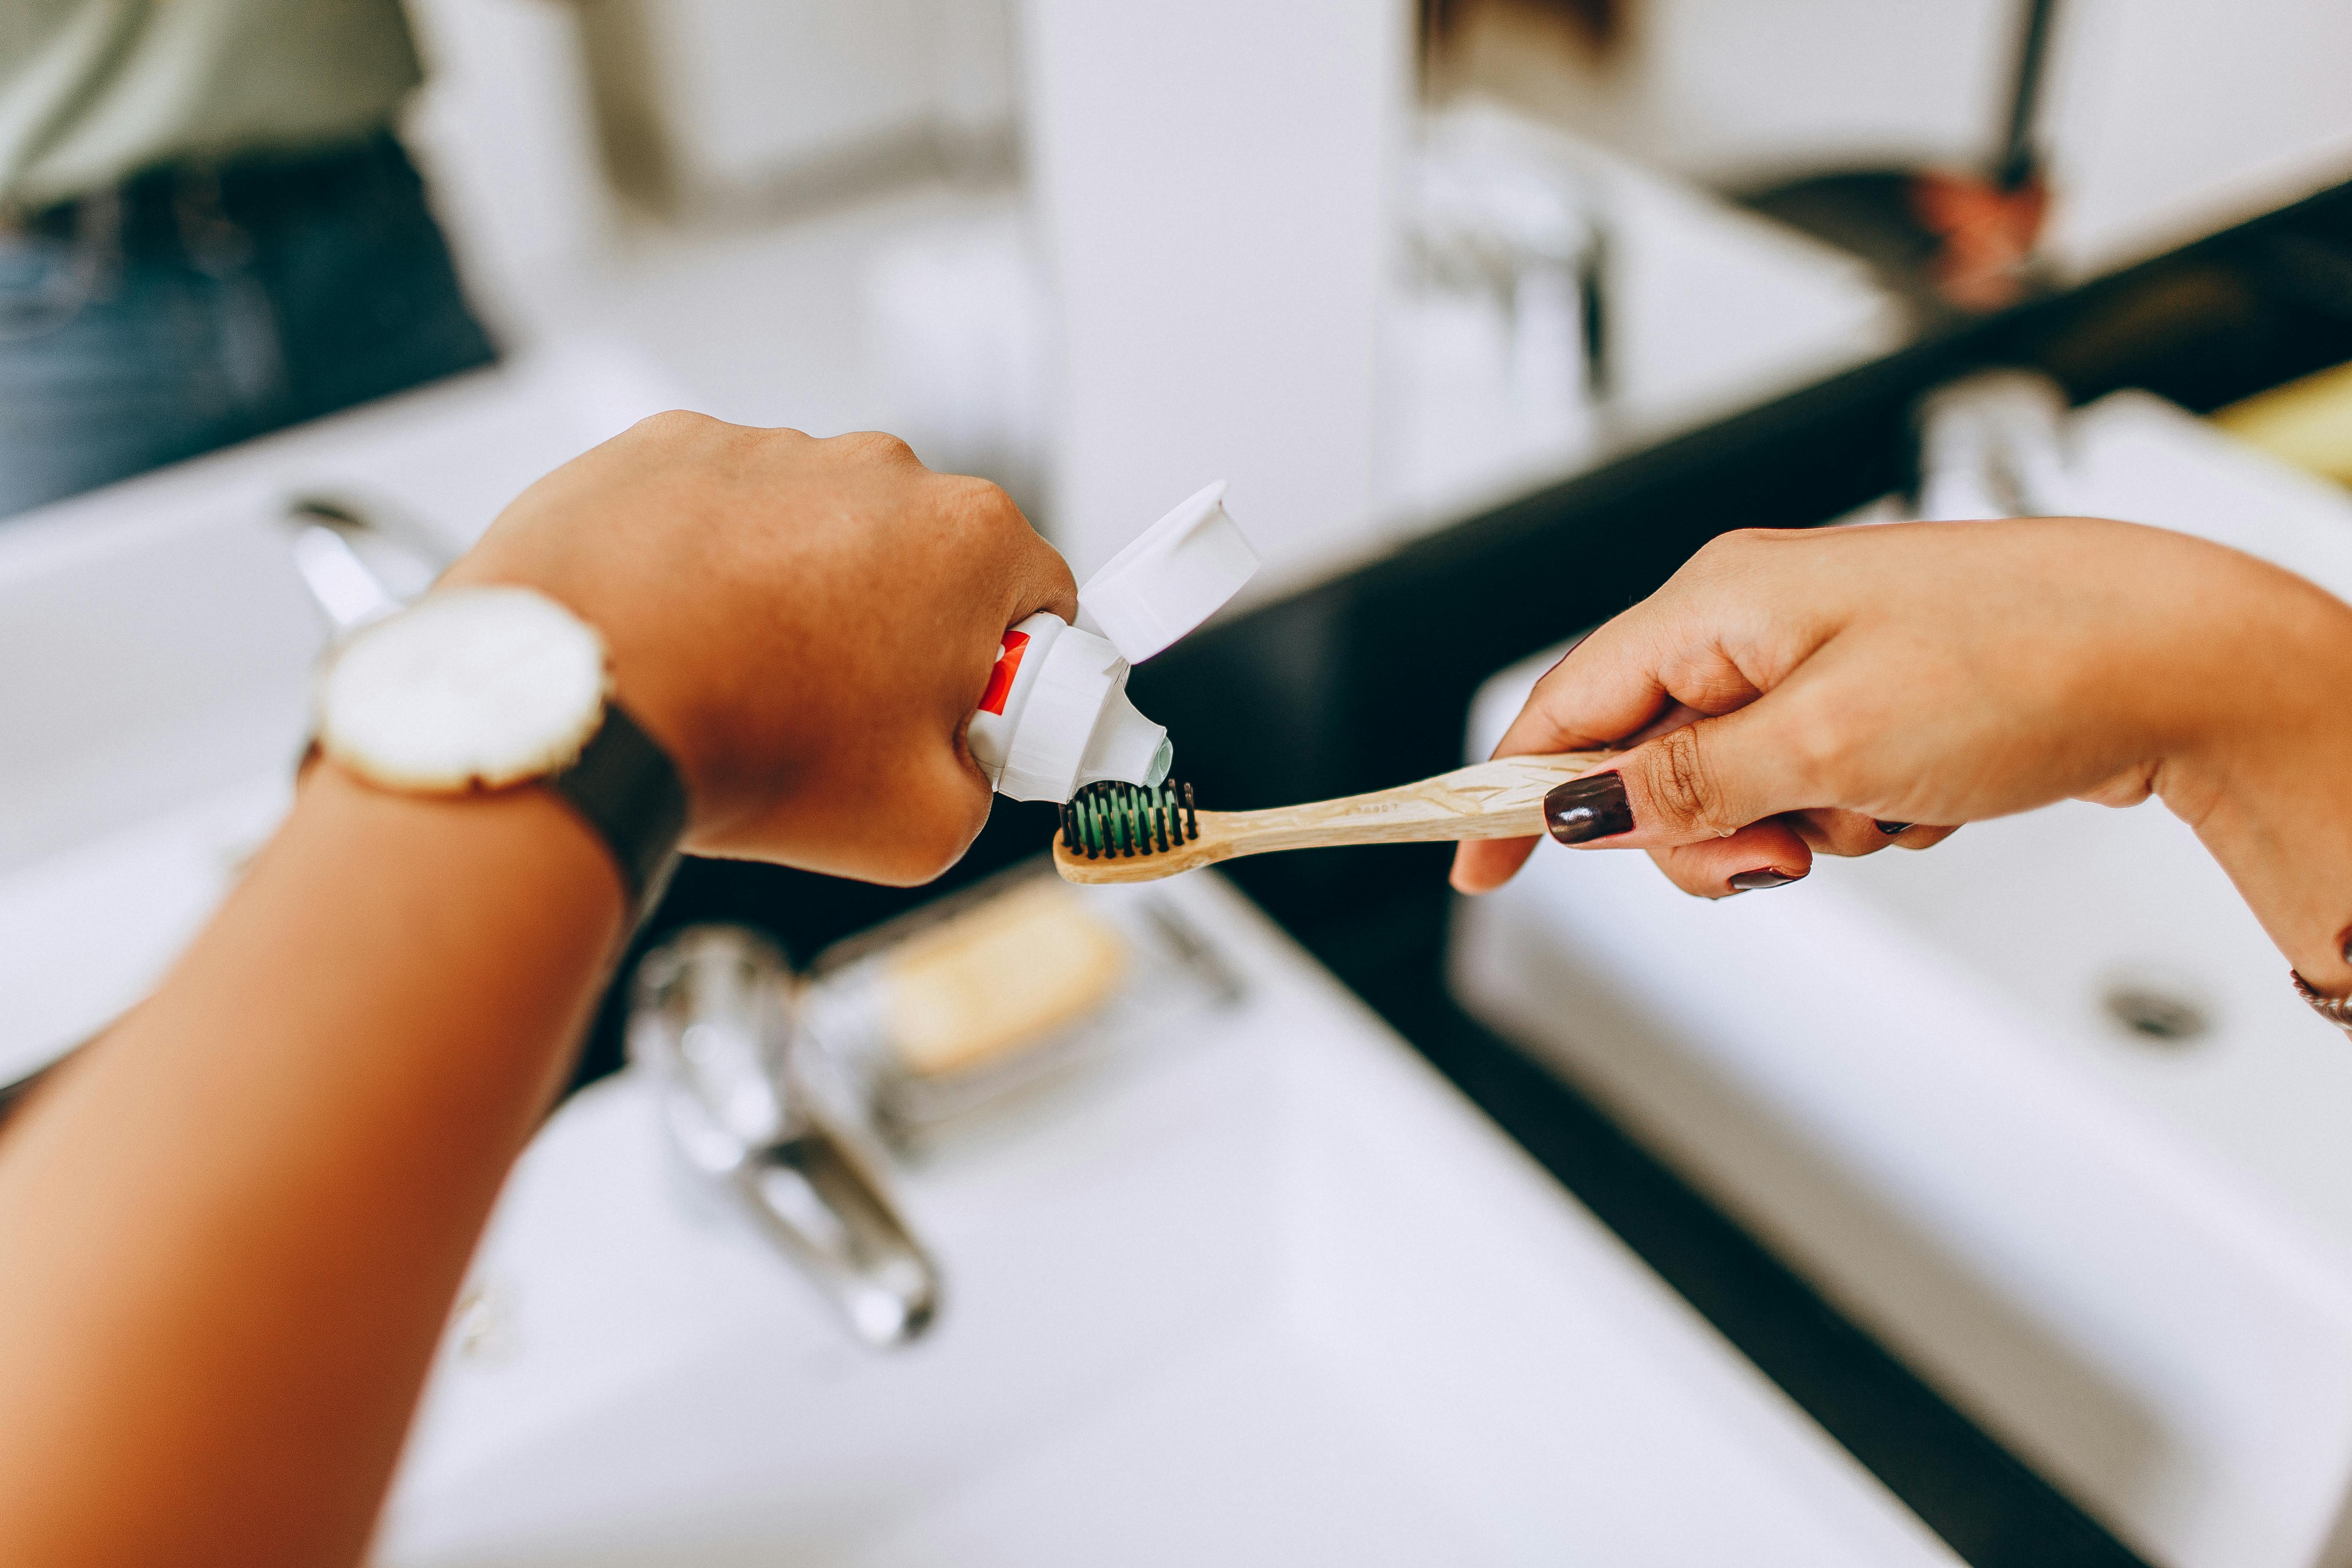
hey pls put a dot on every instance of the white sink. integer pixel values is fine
(159, 645)
(1276, 1294)
(1270, 1292)
(2129, 1258)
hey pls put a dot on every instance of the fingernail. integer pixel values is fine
(1892, 828)
(1594, 806)
(1762, 876)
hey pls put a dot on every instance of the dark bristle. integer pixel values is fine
(1124, 821)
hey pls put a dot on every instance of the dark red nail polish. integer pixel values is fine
(1892, 828)
(1762, 876)
(1582, 810)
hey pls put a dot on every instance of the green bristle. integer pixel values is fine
(1127, 820)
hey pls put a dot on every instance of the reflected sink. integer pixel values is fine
(1268, 1291)
(159, 645)
(2037, 1106)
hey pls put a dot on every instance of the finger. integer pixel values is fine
(875, 447)
(912, 834)
(900, 823)
(1854, 833)
(1763, 855)
(1672, 715)
(1701, 781)
(1483, 864)
(1041, 579)
(1613, 682)
(1847, 833)
(1035, 576)
(1046, 583)
(1859, 833)
(1702, 641)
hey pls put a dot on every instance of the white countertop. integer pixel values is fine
(1274, 1292)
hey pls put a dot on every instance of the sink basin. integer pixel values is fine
(159, 645)
(2037, 1106)
(1271, 1293)
(1265, 1291)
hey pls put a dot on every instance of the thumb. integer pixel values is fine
(1706, 780)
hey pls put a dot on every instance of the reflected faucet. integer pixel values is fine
(713, 1020)
(1994, 443)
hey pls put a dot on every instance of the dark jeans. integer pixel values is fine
(193, 307)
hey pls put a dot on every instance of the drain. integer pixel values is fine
(2155, 1014)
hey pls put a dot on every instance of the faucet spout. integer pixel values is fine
(712, 1021)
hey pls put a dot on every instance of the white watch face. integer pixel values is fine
(467, 686)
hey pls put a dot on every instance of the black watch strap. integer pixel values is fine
(629, 790)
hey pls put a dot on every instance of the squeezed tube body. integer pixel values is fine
(1055, 716)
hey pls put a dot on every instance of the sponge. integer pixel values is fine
(999, 976)
(2307, 422)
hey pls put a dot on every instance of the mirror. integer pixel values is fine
(1380, 265)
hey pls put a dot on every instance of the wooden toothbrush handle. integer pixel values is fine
(1501, 799)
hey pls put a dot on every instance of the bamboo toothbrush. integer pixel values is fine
(1121, 833)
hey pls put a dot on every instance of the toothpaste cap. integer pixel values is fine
(1174, 576)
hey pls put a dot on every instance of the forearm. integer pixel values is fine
(2266, 780)
(233, 1229)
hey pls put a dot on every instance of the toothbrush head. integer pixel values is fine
(1122, 819)
(1110, 830)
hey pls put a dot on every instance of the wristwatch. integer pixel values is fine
(491, 687)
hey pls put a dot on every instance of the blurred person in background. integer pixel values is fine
(207, 231)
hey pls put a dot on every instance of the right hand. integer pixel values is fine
(1787, 693)
(804, 624)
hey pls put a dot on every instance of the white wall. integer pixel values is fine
(748, 88)
(504, 131)
(1728, 90)
(752, 87)
(2173, 118)
(2164, 117)
(1212, 178)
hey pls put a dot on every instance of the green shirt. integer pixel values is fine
(93, 90)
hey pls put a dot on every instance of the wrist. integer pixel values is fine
(482, 687)
(2265, 777)
(653, 675)
(649, 687)
(488, 838)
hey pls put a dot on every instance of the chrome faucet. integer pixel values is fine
(360, 561)
(713, 1021)
(1994, 443)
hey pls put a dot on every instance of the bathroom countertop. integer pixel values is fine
(1275, 1286)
